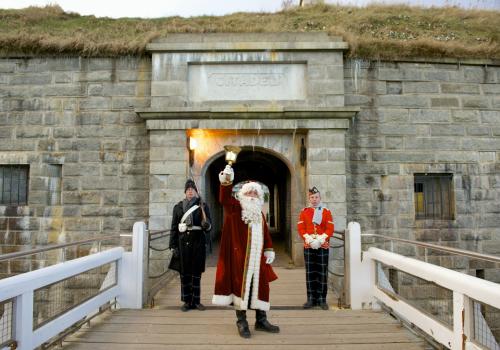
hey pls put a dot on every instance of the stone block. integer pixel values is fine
(63, 90)
(101, 183)
(444, 102)
(336, 154)
(420, 87)
(31, 79)
(95, 211)
(82, 224)
(366, 142)
(168, 168)
(63, 77)
(429, 116)
(491, 89)
(110, 198)
(326, 138)
(134, 197)
(399, 74)
(169, 88)
(403, 157)
(432, 143)
(63, 132)
(474, 74)
(476, 102)
(397, 129)
(478, 131)
(334, 72)
(409, 101)
(24, 224)
(452, 88)
(92, 103)
(325, 87)
(130, 102)
(465, 116)
(447, 130)
(81, 197)
(326, 168)
(134, 169)
(457, 156)
(358, 100)
(95, 76)
(31, 132)
(483, 144)
(137, 182)
(392, 142)
(95, 89)
(492, 117)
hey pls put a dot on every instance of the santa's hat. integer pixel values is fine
(249, 187)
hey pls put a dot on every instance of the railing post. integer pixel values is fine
(24, 321)
(462, 320)
(131, 271)
(359, 272)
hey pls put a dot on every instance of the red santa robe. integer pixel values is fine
(241, 259)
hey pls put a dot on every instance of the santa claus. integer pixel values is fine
(244, 267)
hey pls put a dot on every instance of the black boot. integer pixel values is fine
(242, 324)
(262, 324)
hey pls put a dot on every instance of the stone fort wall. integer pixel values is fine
(79, 114)
(76, 115)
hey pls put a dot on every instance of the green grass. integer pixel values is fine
(377, 32)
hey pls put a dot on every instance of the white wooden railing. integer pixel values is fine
(126, 289)
(468, 291)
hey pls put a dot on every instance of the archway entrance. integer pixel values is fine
(258, 165)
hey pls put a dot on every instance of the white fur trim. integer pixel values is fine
(253, 271)
(222, 299)
(261, 305)
(253, 268)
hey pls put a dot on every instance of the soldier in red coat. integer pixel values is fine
(244, 266)
(315, 226)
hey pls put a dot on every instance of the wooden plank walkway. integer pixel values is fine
(166, 327)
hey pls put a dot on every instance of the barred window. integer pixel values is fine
(434, 196)
(14, 184)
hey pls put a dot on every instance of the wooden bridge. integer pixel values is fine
(166, 327)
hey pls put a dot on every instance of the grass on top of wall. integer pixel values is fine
(376, 32)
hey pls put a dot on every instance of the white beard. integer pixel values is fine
(251, 209)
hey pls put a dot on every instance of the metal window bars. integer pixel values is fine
(14, 184)
(6, 323)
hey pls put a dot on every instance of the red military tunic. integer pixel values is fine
(241, 250)
(305, 225)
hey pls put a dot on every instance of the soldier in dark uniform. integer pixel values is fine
(190, 221)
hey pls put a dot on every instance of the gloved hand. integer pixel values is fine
(308, 238)
(315, 244)
(205, 225)
(226, 175)
(322, 238)
(269, 254)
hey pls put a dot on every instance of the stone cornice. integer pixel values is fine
(247, 46)
(256, 113)
(214, 42)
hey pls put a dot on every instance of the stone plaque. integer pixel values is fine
(247, 82)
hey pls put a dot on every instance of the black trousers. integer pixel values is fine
(190, 288)
(316, 261)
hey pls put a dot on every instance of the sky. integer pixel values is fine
(187, 8)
